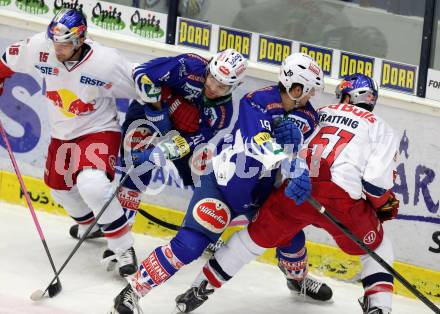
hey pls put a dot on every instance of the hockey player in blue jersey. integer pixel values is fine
(186, 93)
(244, 170)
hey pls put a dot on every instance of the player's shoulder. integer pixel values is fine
(194, 58)
(103, 52)
(37, 41)
(192, 63)
(332, 106)
(263, 95)
(308, 112)
(381, 124)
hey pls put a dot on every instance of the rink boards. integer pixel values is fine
(323, 259)
(415, 234)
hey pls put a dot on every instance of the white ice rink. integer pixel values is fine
(88, 288)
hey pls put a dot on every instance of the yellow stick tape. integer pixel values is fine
(323, 259)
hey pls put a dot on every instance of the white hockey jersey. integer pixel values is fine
(82, 99)
(358, 147)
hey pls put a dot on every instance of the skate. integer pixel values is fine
(74, 233)
(126, 302)
(109, 260)
(193, 298)
(214, 247)
(365, 305)
(126, 260)
(310, 287)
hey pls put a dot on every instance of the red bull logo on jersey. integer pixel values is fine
(213, 214)
(69, 103)
(357, 111)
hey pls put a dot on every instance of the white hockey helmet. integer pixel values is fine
(299, 68)
(228, 67)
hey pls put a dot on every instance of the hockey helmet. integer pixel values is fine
(300, 68)
(68, 25)
(361, 89)
(228, 67)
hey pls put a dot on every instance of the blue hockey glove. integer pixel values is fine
(159, 118)
(287, 133)
(152, 155)
(299, 188)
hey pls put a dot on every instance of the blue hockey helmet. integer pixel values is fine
(361, 89)
(67, 25)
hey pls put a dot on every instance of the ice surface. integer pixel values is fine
(88, 288)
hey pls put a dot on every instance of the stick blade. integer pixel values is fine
(37, 295)
(54, 289)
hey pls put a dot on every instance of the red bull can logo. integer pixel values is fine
(345, 84)
(69, 103)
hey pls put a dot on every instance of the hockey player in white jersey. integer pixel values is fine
(351, 156)
(82, 80)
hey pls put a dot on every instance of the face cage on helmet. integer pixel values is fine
(64, 38)
(365, 100)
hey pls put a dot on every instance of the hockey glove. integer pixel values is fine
(287, 133)
(388, 210)
(152, 155)
(145, 88)
(159, 118)
(299, 188)
(174, 148)
(184, 115)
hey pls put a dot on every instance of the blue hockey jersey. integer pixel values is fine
(185, 76)
(247, 160)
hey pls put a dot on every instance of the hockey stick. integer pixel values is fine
(55, 287)
(374, 255)
(212, 247)
(39, 294)
(158, 221)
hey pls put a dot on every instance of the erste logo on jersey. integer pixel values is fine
(301, 123)
(212, 214)
(94, 82)
(47, 70)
